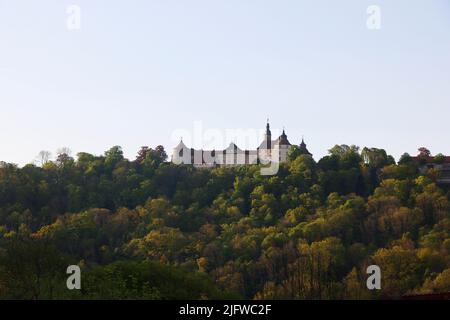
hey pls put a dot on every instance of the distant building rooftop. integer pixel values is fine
(429, 159)
(442, 164)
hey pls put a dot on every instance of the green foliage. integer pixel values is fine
(149, 229)
(31, 267)
(439, 158)
(146, 280)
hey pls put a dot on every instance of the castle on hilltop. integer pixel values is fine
(268, 151)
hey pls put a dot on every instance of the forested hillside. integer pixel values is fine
(146, 228)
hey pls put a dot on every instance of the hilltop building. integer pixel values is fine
(441, 164)
(268, 151)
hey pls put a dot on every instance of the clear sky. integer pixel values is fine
(139, 70)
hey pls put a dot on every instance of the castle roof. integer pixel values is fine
(303, 149)
(233, 147)
(266, 144)
(180, 145)
(282, 140)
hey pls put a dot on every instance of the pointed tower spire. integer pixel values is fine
(303, 148)
(268, 133)
(267, 143)
(283, 140)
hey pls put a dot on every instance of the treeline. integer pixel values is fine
(150, 229)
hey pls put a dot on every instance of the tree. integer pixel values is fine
(348, 155)
(424, 155)
(405, 159)
(161, 153)
(64, 150)
(401, 270)
(308, 232)
(63, 157)
(148, 280)
(424, 152)
(113, 156)
(354, 286)
(439, 158)
(43, 157)
(142, 154)
(440, 284)
(31, 268)
(155, 157)
(263, 206)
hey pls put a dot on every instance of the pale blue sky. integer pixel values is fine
(139, 70)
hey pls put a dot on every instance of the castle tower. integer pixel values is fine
(265, 148)
(268, 151)
(303, 149)
(268, 136)
(181, 154)
(281, 148)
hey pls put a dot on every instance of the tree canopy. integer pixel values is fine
(149, 229)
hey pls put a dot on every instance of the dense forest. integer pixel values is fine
(149, 229)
